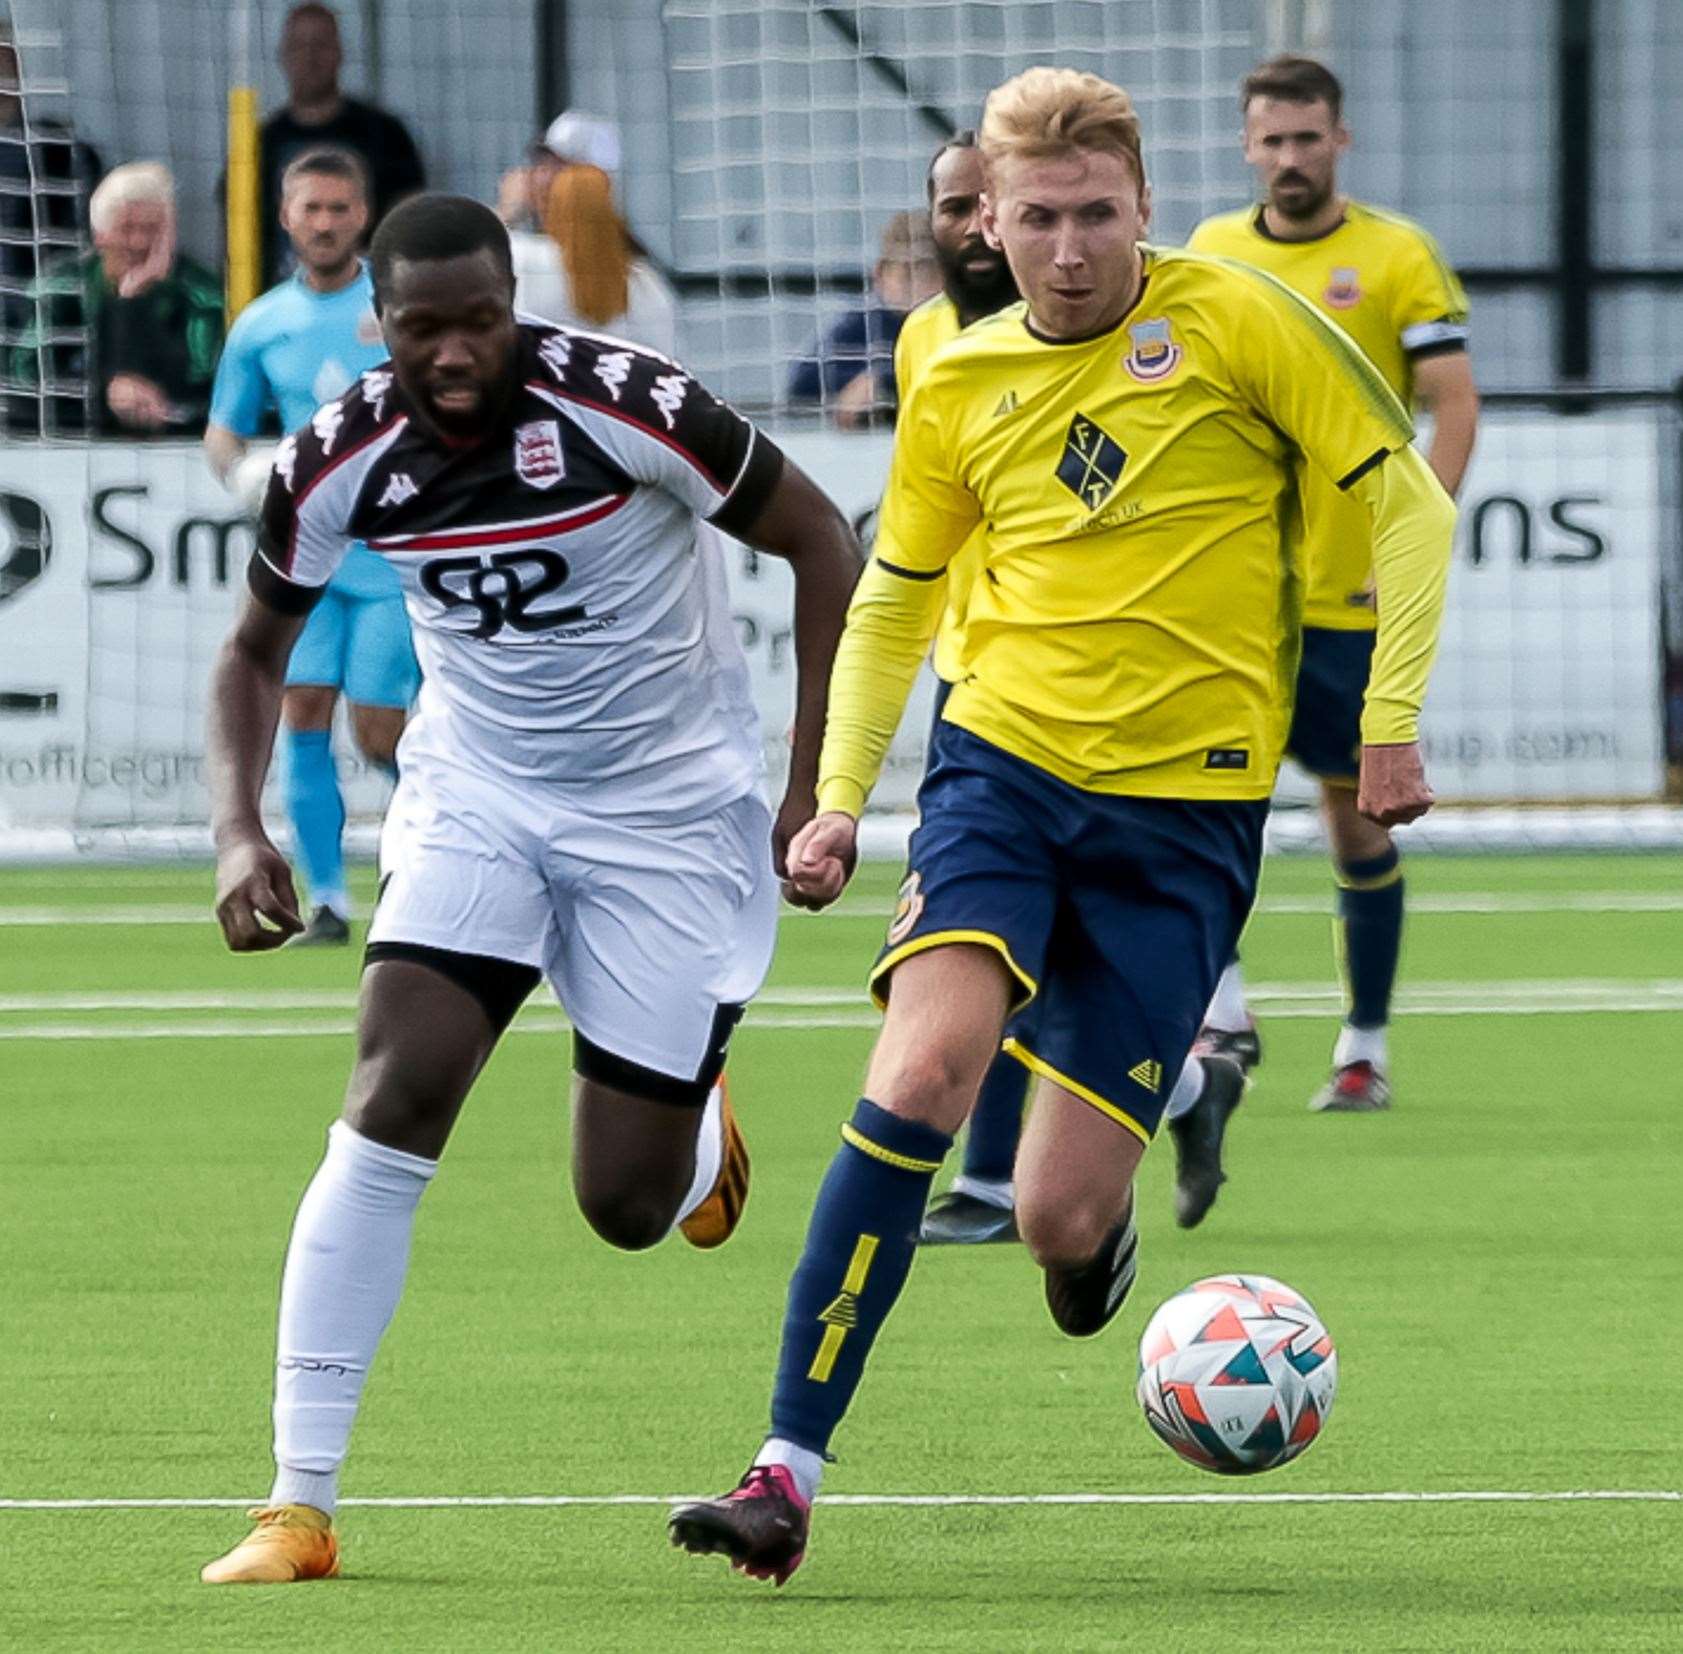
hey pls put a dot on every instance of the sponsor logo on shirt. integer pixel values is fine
(399, 487)
(668, 395)
(1343, 289)
(376, 387)
(1092, 461)
(613, 370)
(326, 425)
(555, 352)
(537, 453)
(1154, 355)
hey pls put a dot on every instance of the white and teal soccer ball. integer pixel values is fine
(1237, 1374)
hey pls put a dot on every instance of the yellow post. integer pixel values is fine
(244, 239)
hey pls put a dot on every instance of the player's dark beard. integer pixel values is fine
(976, 292)
(1308, 206)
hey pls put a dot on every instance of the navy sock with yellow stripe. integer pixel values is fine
(1370, 913)
(859, 1249)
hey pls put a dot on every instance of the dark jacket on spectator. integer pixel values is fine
(171, 334)
(383, 142)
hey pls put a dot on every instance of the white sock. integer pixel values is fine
(1360, 1045)
(1228, 1010)
(802, 1463)
(709, 1151)
(344, 1274)
(994, 1192)
(1188, 1089)
(337, 899)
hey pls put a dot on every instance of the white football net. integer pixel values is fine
(768, 144)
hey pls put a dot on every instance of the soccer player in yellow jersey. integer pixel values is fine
(1091, 826)
(1383, 280)
(975, 282)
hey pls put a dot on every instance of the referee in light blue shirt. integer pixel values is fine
(300, 345)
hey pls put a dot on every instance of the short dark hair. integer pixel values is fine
(1296, 80)
(437, 226)
(963, 139)
(328, 161)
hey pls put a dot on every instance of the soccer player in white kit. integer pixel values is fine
(580, 795)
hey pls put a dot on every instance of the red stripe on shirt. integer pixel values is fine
(540, 528)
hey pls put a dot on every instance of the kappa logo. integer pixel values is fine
(376, 387)
(1154, 355)
(1343, 289)
(286, 461)
(1007, 405)
(325, 424)
(538, 460)
(1092, 462)
(1148, 1074)
(613, 370)
(556, 352)
(668, 395)
(908, 909)
(399, 487)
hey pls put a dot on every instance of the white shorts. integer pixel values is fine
(644, 930)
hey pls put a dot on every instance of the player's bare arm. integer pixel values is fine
(1444, 386)
(800, 524)
(256, 904)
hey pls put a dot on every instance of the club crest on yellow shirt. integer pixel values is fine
(1343, 289)
(1155, 354)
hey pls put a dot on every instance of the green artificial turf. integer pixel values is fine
(1497, 1259)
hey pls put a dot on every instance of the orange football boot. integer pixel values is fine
(290, 1542)
(714, 1221)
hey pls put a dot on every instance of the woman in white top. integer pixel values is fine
(581, 268)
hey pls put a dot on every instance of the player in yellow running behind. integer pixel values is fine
(1090, 826)
(1383, 280)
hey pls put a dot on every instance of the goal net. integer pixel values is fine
(767, 146)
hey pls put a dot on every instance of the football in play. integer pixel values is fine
(1237, 1374)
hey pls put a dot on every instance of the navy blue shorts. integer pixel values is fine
(1115, 915)
(1326, 721)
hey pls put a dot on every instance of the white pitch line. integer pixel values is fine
(552, 1501)
(1621, 1003)
(1469, 902)
(1280, 997)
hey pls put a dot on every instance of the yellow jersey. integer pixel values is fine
(1134, 627)
(932, 324)
(1383, 280)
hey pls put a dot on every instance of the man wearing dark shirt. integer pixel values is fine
(318, 113)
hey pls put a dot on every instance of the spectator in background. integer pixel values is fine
(318, 113)
(575, 260)
(850, 371)
(136, 321)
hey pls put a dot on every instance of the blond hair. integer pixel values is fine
(581, 219)
(1046, 112)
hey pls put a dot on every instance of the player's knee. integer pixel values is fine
(1064, 1234)
(377, 733)
(931, 1084)
(632, 1220)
